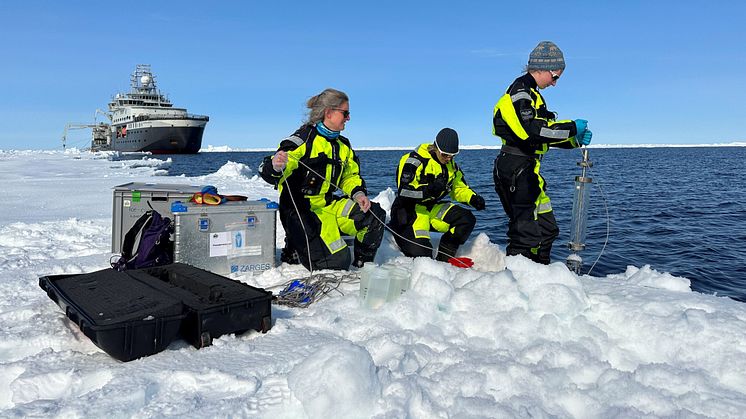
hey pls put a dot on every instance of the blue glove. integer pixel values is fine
(581, 125)
(586, 138)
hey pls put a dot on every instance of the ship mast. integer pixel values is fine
(143, 80)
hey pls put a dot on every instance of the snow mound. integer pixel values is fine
(337, 380)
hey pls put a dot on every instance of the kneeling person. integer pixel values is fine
(306, 169)
(425, 177)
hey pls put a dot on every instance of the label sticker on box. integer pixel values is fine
(240, 245)
(220, 243)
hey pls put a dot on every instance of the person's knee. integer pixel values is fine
(377, 210)
(463, 222)
(378, 216)
(553, 232)
(469, 219)
(469, 222)
(372, 219)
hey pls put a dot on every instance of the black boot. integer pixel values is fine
(446, 251)
(289, 256)
(543, 255)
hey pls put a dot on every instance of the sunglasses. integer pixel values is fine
(443, 152)
(345, 113)
(555, 76)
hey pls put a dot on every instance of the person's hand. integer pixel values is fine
(279, 161)
(436, 187)
(583, 136)
(363, 202)
(581, 125)
(477, 202)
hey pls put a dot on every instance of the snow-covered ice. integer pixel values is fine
(507, 338)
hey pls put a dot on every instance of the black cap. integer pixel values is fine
(447, 141)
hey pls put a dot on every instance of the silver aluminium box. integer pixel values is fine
(236, 237)
(131, 201)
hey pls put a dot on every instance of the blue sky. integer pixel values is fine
(641, 71)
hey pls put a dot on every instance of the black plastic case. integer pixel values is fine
(139, 312)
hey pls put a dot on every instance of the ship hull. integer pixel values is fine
(164, 139)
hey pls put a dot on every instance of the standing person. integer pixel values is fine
(424, 177)
(305, 169)
(527, 129)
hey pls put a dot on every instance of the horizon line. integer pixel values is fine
(217, 149)
(224, 148)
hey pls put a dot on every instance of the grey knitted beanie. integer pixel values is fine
(546, 56)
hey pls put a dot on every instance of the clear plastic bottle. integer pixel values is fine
(380, 284)
(399, 280)
(374, 285)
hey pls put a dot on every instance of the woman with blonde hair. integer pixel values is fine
(322, 194)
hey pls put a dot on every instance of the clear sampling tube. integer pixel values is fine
(580, 206)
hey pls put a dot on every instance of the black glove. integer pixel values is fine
(477, 202)
(436, 187)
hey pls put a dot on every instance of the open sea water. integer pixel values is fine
(679, 210)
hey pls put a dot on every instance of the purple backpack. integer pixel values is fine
(154, 248)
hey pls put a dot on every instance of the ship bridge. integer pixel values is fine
(143, 92)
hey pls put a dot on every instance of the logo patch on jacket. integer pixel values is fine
(527, 114)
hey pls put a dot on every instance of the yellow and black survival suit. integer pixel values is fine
(527, 130)
(423, 181)
(323, 213)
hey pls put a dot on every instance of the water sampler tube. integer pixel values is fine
(580, 206)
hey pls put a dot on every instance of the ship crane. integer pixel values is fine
(100, 130)
(101, 134)
(72, 126)
(99, 111)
